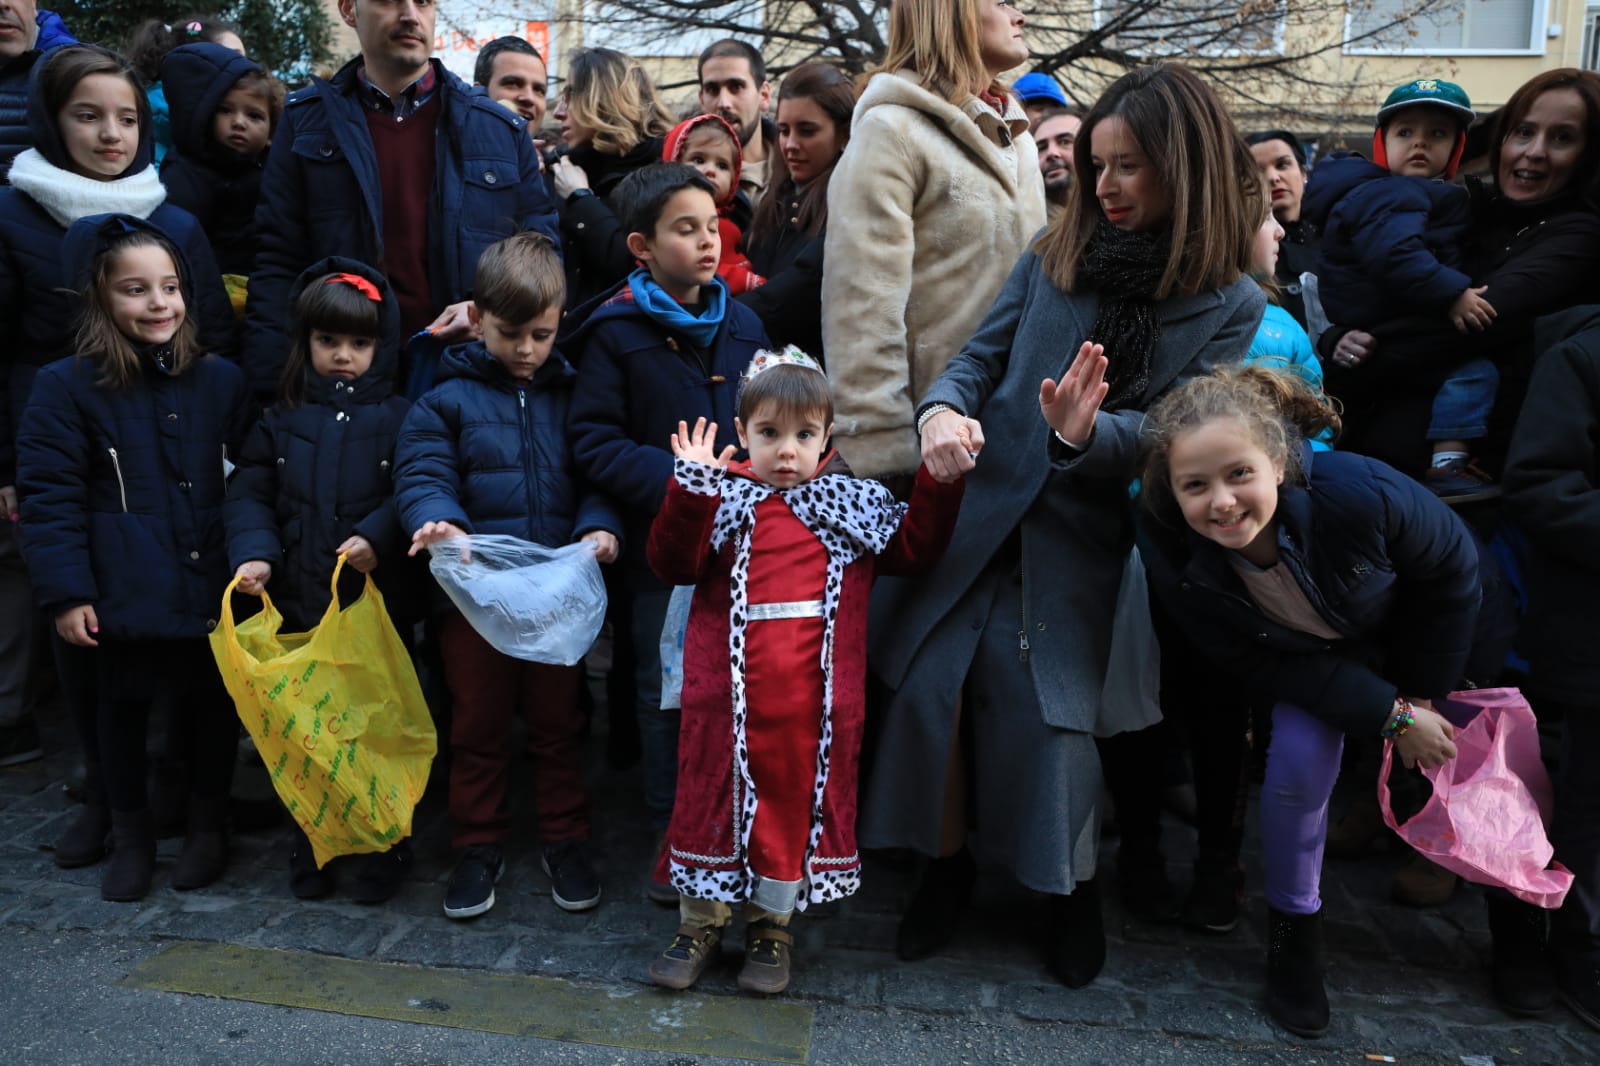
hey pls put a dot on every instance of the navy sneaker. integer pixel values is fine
(1461, 481)
(573, 882)
(471, 890)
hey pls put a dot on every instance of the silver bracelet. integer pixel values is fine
(929, 411)
(1075, 447)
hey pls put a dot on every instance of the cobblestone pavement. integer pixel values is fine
(1404, 983)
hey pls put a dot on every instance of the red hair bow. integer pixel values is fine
(361, 284)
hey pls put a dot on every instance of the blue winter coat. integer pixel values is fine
(489, 454)
(1383, 561)
(39, 305)
(636, 381)
(14, 79)
(122, 489)
(215, 184)
(321, 196)
(1391, 245)
(309, 477)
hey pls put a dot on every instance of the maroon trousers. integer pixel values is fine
(487, 689)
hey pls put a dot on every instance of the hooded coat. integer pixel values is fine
(39, 303)
(211, 181)
(122, 488)
(489, 454)
(733, 210)
(309, 477)
(929, 208)
(1392, 246)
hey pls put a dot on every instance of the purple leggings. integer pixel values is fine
(1302, 765)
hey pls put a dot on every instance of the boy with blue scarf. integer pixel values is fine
(666, 345)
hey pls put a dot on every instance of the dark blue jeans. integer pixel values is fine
(1464, 401)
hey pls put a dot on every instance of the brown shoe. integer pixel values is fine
(766, 958)
(686, 958)
(1421, 883)
(1359, 831)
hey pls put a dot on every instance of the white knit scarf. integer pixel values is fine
(67, 197)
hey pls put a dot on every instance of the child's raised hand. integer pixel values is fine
(1070, 405)
(435, 531)
(359, 553)
(253, 576)
(1471, 311)
(78, 625)
(1428, 742)
(699, 445)
(605, 545)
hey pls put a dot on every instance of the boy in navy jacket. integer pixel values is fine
(1392, 248)
(666, 346)
(485, 451)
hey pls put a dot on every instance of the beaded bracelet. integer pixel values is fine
(1403, 719)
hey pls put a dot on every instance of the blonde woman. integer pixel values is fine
(929, 207)
(612, 123)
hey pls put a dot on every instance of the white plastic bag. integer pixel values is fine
(544, 605)
(1131, 697)
(672, 634)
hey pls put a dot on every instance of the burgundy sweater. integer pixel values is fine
(407, 162)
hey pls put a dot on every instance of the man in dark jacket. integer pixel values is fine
(26, 33)
(398, 163)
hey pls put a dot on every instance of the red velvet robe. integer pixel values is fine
(783, 687)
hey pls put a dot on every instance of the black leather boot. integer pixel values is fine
(930, 918)
(1520, 970)
(133, 857)
(1075, 945)
(1296, 960)
(205, 847)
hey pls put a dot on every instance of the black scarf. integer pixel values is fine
(1124, 269)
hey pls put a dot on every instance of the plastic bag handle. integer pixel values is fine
(225, 619)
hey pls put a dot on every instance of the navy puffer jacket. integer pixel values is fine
(637, 379)
(489, 454)
(312, 476)
(1391, 245)
(14, 77)
(39, 301)
(1380, 558)
(212, 182)
(122, 489)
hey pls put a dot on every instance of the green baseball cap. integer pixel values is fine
(1432, 92)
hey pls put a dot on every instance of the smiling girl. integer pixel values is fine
(120, 462)
(1356, 634)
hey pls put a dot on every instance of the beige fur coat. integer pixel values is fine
(928, 210)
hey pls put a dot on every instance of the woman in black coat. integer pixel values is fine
(784, 241)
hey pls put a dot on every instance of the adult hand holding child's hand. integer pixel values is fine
(950, 445)
(698, 445)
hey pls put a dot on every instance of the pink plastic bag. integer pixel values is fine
(1490, 804)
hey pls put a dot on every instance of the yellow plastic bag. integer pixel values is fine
(337, 716)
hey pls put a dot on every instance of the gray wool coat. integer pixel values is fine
(1072, 508)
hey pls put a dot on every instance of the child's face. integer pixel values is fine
(1418, 141)
(710, 151)
(341, 355)
(1227, 487)
(242, 123)
(683, 252)
(100, 126)
(1126, 182)
(522, 349)
(144, 295)
(785, 446)
(1264, 249)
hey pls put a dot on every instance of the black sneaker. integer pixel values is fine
(471, 890)
(573, 883)
(378, 877)
(19, 743)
